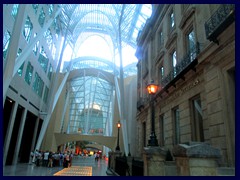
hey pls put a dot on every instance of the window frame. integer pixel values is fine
(192, 51)
(173, 67)
(196, 123)
(176, 125)
(161, 72)
(172, 23)
(144, 126)
(161, 130)
(160, 38)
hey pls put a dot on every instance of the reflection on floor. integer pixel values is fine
(99, 168)
(75, 171)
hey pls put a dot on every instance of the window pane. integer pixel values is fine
(28, 75)
(36, 46)
(176, 125)
(20, 70)
(50, 72)
(38, 84)
(35, 7)
(197, 122)
(174, 63)
(161, 74)
(15, 10)
(50, 10)
(45, 94)
(41, 18)
(192, 45)
(43, 59)
(19, 52)
(48, 36)
(6, 40)
(27, 29)
(160, 39)
(172, 20)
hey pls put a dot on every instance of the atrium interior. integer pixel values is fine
(80, 79)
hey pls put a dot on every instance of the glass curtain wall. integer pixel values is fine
(90, 106)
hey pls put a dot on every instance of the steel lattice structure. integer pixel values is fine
(91, 94)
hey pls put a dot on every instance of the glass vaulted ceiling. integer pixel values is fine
(103, 18)
(91, 94)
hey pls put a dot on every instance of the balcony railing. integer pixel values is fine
(141, 103)
(219, 21)
(188, 61)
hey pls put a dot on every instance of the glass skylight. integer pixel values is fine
(93, 51)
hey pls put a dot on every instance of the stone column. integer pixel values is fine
(19, 138)
(9, 132)
(196, 159)
(154, 161)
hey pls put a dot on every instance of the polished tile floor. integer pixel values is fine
(99, 168)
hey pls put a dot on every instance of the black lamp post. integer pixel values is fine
(118, 126)
(152, 89)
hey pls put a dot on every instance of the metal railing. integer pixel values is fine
(121, 165)
(137, 167)
(219, 21)
(181, 65)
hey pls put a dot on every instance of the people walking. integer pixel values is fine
(45, 158)
(66, 160)
(50, 159)
(61, 159)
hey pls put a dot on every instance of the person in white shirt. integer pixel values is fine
(45, 158)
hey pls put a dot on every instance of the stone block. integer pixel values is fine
(154, 158)
(156, 168)
(196, 149)
(215, 118)
(170, 168)
(202, 171)
(202, 162)
(196, 159)
(226, 171)
(213, 95)
(214, 106)
(211, 74)
(212, 85)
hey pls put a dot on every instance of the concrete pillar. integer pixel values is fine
(154, 161)
(34, 140)
(9, 133)
(196, 159)
(19, 138)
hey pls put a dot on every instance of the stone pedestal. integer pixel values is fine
(112, 159)
(154, 161)
(196, 159)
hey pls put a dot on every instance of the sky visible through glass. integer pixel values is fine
(98, 47)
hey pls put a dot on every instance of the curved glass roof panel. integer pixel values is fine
(92, 62)
(104, 18)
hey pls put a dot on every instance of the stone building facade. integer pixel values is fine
(189, 51)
